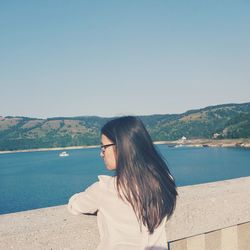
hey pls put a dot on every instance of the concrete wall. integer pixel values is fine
(212, 216)
(208, 216)
(231, 238)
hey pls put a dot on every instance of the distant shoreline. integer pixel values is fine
(243, 143)
(47, 149)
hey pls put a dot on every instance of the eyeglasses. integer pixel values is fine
(103, 147)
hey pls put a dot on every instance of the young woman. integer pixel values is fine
(133, 206)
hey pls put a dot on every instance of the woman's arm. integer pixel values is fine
(85, 202)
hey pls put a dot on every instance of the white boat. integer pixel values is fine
(63, 154)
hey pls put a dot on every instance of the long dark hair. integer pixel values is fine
(143, 177)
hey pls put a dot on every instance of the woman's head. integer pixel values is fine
(108, 152)
(124, 139)
(143, 178)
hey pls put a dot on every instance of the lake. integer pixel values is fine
(33, 180)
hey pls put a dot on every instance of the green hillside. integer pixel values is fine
(227, 121)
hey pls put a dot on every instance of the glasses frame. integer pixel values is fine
(103, 147)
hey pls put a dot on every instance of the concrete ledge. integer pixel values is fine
(48, 228)
(209, 207)
(200, 209)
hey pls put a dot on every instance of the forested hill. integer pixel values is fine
(221, 121)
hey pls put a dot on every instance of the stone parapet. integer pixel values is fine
(207, 216)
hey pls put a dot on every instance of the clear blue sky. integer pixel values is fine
(108, 58)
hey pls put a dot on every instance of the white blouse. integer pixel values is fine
(118, 226)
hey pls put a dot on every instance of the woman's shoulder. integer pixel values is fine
(106, 181)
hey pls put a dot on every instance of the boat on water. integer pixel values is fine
(63, 154)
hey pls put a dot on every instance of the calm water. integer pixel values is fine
(41, 179)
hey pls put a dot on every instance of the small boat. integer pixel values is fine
(63, 154)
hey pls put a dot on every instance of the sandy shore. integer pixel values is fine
(47, 149)
(244, 143)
